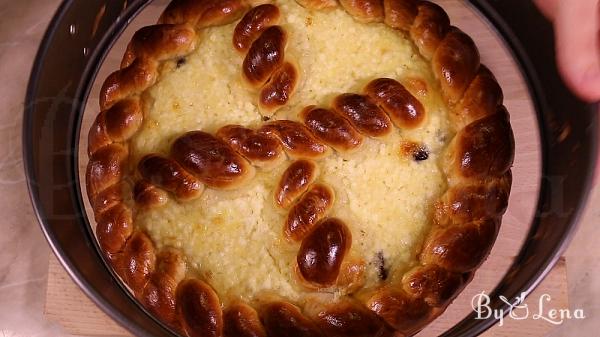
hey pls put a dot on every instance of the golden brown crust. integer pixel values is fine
(137, 262)
(285, 319)
(484, 148)
(455, 62)
(331, 128)
(116, 124)
(435, 285)
(364, 10)
(147, 195)
(469, 202)
(404, 109)
(304, 215)
(317, 4)
(170, 176)
(160, 42)
(113, 228)
(123, 119)
(352, 275)
(466, 217)
(363, 114)
(460, 248)
(105, 168)
(140, 75)
(97, 136)
(253, 23)
(159, 298)
(402, 312)
(322, 252)
(260, 149)
(241, 320)
(107, 199)
(400, 13)
(347, 318)
(297, 140)
(211, 160)
(482, 98)
(159, 294)
(279, 89)
(266, 54)
(429, 28)
(199, 309)
(203, 13)
(264, 66)
(295, 181)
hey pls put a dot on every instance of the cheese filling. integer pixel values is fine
(234, 239)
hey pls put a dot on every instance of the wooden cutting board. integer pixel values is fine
(67, 305)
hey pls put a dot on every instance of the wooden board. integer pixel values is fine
(67, 305)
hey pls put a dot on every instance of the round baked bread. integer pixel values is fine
(299, 168)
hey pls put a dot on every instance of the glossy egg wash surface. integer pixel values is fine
(384, 191)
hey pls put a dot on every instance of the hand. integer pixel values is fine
(577, 30)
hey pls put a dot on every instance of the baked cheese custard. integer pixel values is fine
(299, 168)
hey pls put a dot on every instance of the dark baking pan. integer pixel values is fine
(67, 64)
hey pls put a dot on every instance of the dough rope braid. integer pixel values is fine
(466, 219)
(264, 65)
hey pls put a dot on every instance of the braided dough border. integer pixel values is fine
(467, 217)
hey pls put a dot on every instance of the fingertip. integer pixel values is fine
(578, 47)
(585, 84)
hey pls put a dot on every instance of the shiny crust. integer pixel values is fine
(404, 109)
(253, 23)
(322, 252)
(306, 213)
(105, 168)
(285, 319)
(241, 320)
(159, 295)
(400, 14)
(137, 262)
(434, 284)
(296, 138)
(266, 54)
(107, 199)
(466, 203)
(331, 128)
(455, 62)
(147, 195)
(264, 66)
(211, 160)
(429, 27)
(364, 10)
(295, 181)
(484, 148)
(199, 309)
(363, 114)
(404, 313)
(132, 80)
(203, 13)
(258, 148)
(160, 42)
(114, 228)
(460, 248)
(317, 4)
(170, 176)
(279, 89)
(116, 124)
(347, 318)
(466, 217)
